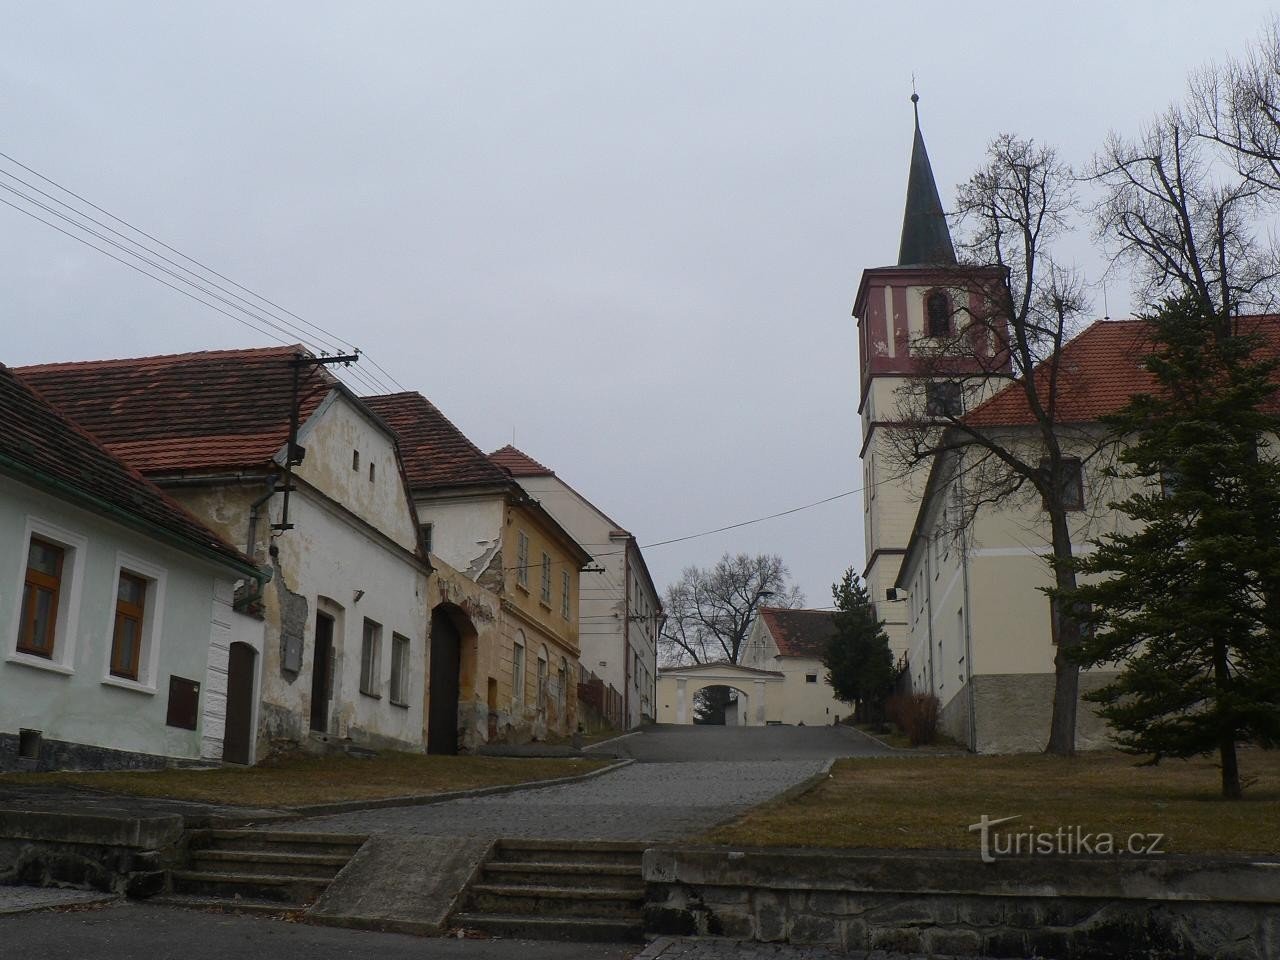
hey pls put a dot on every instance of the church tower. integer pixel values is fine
(899, 308)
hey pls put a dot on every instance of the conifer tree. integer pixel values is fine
(1188, 603)
(857, 657)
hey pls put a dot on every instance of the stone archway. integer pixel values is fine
(677, 686)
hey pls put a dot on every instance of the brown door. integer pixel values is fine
(442, 706)
(321, 666)
(237, 738)
(492, 700)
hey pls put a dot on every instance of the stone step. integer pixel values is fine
(619, 853)
(540, 874)
(189, 901)
(556, 902)
(319, 865)
(277, 841)
(248, 886)
(581, 929)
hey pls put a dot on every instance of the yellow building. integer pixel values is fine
(504, 598)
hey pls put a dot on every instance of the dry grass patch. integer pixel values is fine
(297, 781)
(927, 803)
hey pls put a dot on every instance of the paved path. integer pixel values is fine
(133, 931)
(23, 899)
(687, 780)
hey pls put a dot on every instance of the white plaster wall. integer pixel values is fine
(78, 704)
(466, 531)
(226, 627)
(328, 555)
(335, 431)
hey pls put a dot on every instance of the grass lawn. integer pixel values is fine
(297, 781)
(927, 802)
(896, 738)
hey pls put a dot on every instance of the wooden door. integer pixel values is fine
(442, 707)
(237, 737)
(321, 673)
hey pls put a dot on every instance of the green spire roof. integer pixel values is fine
(925, 236)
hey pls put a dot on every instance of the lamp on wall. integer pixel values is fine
(358, 595)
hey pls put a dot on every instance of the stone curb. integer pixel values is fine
(793, 791)
(621, 736)
(421, 800)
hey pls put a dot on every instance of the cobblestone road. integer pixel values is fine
(686, 780)
(698, 948)
(644, 801)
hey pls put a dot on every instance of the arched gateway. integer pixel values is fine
(677, 685)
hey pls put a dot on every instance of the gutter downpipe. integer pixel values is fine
(968, 633)
(928, 612)
(252, 537)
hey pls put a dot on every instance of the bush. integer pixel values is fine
(916, 715)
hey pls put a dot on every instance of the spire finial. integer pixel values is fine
(915, 101)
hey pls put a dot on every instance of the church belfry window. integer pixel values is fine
(937, 313)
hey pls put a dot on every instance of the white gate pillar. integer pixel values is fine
(681, 684)
(760, 703)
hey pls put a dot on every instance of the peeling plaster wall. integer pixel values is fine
(77, 703)
(466, 531)
(481, 654)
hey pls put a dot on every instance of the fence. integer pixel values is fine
(599, 705)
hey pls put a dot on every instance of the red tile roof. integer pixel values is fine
(1099, 370)
(41, 446)
(213, 410)
(799, 633)
(436, 454)
(519, 464)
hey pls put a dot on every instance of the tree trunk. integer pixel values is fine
(1231, 788)
(1066, 672)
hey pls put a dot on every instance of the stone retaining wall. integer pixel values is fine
(953, 904)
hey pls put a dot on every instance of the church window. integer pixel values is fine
(942, 399)
(937, 314)
(1071, 483)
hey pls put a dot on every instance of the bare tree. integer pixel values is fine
(709, 612)
(1016, 310)
(1182, 210)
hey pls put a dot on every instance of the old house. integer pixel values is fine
(621, 613)
(791, 642)
(326, 512)
(517, 677)
(121, 644)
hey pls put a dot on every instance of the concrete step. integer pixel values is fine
(543, 874)
(581, 929)
(323, 866)
(277, 841)
(190, 901)
(618, 853)
(556, 902)
(248, 886)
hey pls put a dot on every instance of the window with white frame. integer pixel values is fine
(565, 606)
(399, 670)
(370, 662)
(522, 558)
(44, 628)
(517, 672)
(542, 679)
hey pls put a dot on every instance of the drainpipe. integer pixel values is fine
(968, 634)
(626, 637)
(252, 537)
(928, 612)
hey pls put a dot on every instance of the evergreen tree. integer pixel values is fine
(1188, 604)
(857, 657)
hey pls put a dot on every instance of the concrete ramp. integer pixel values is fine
(402, 884)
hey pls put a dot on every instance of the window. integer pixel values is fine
(522, 558)
(355, 459)
(517, 674)
(1169, 481)
(942, 399)
(562, 685)
(370, 663)
(372, 467)
(126, 638)
(1083, 611)
(937, 314)
(546, 579)
(428, 536)
(542, 680)
(1071, 482)
(40, 594)
(399, 670)
(810, 678)
(566, 609)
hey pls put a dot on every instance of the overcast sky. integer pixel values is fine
(630, 233)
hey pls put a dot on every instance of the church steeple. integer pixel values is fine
(925, 236)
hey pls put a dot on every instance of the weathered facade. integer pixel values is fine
(121, 642)
(484, 527)
(621, 613)
(346, 608)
